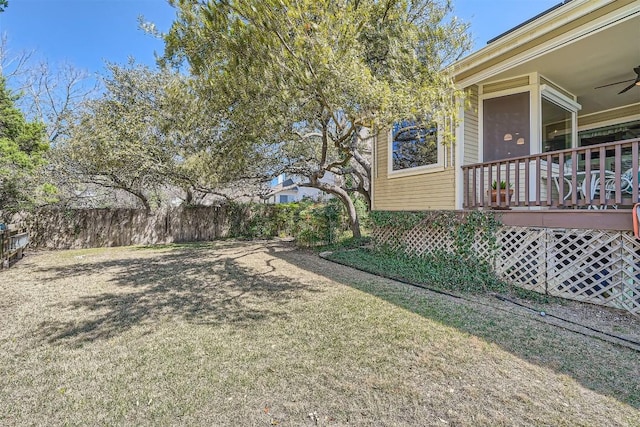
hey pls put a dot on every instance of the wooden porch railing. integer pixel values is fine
(596, 176)
(12, 244)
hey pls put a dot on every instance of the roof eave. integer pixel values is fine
(531, 31)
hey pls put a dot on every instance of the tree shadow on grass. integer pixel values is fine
(199, 284)
(603, 367)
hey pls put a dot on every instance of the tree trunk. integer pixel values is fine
(354, 221)
(340, 193)
(142, 198)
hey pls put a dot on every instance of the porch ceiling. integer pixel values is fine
(602, 57)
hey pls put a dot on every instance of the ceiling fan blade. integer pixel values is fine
(613, 84)
(628, 87)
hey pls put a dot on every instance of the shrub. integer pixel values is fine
(308, 222)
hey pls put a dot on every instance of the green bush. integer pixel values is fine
(440, 269)
(459, 267)
(308, 222)
(320, 223)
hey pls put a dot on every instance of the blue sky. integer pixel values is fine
(86, 33)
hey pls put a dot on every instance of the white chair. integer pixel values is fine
(565, 176)
(626, 182)
(594, 188)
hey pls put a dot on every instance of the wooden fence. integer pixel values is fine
(90, 228)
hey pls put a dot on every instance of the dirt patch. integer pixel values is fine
(618, 323)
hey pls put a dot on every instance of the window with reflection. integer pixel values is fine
(611, 133)
(617, 132)
(506, 127)
(413, 145)
(556, 126)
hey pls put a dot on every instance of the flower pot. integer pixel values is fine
(503, 195)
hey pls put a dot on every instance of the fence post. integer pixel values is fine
(1, 249)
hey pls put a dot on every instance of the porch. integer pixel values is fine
(567, 220)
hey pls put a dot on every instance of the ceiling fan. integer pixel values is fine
(636, 82)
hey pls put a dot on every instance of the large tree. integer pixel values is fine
(53, 93)
(49, 94)
(315, 80)
(22, 145)
(148, 133)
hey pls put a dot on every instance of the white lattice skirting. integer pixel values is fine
(599, 267)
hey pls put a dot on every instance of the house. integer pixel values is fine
(552, 111)
(287, 189)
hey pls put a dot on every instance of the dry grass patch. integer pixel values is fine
(261, 334)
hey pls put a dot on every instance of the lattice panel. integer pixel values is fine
(483, 249)
(387, 236)
(521, 257)
(585, 265)
(629, 297)
(425, 240)
(595, 266)
(419, 241)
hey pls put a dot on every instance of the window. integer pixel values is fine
(413, 145)
(556, 127)
(284, 199)
(618, 132)
(506, 127)
(612, 133)
(559, 113)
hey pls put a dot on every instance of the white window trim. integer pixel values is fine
(418, 170)
(552, 95)
(559, 98)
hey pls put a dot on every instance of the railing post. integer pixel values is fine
(481, 186)
(601, 159)
(618, 175)
(586, 180)
(538, 181)
(560, 180)
(586, 185)
(517, 179)
(527, 180)
(634, 169)
(465, 186)
(490, 180)
(549, 177)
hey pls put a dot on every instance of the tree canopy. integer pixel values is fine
(315, 80)
(147, 133)
(22, 146)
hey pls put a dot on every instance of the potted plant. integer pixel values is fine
(505, 194)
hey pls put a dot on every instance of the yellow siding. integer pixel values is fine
(471, 139)
(425, 191)
(505, 84)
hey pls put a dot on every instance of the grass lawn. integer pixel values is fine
(250, 333)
